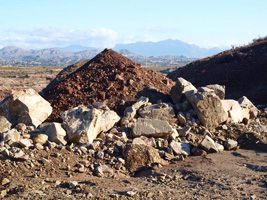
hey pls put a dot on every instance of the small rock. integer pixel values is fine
(21, 127)
(181, 118)
(5, 181)
(190, 137)
(12, 136)
(25, 143)
(19, 153)
(102, 169)
(224, 127)
(73, 184)
(230, 144)
(180, 148)
(39, 146)
(184, 131)
(57, 182)
(208, 144)
(3, 193)
(41, 138)
(219, 147)
(198, 152)
(55, 132)
(131, 193)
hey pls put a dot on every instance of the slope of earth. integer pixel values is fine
(63, 74)
(242, 70)
(110, 78)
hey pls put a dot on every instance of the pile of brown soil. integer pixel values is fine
(63, 74)
(242, 70)
(111, 78)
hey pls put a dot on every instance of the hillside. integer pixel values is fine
(13, 56)
(168, 47)
(242, 70)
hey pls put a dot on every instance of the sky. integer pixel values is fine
(104, 23)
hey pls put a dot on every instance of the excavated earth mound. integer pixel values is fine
(242, 70)
(63, 74)
(110, 78)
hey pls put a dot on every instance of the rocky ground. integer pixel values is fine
(197, 145)
(53, 175)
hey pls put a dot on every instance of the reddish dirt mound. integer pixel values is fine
(63, 74)
(242, 70)
(110, 78)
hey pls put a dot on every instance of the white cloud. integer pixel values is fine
(52, 37)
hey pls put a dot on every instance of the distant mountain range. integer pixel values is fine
(168, 47)
(172, 53)
(162, 48)
(13, 56)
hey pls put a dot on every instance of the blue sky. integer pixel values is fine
(103, 23)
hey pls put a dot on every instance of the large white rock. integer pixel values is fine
(246, 103)
(178, 91)
(208, 107)
(108, 119)
(55, 132)
(234, 110)
(25, 106)
(219, 90)
(83, 124)
(151, 128)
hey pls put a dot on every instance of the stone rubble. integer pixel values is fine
(147, 135)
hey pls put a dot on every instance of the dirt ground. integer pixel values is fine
(48, 174)
(229, 175)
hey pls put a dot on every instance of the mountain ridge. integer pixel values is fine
(168, 47)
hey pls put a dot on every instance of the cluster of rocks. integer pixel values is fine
(146, 135)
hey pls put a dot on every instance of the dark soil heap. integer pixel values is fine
(111, 78)
(63, 74)
(242, 70)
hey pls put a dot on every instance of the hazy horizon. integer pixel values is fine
(100, 24)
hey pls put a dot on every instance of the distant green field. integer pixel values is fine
(24, 71)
